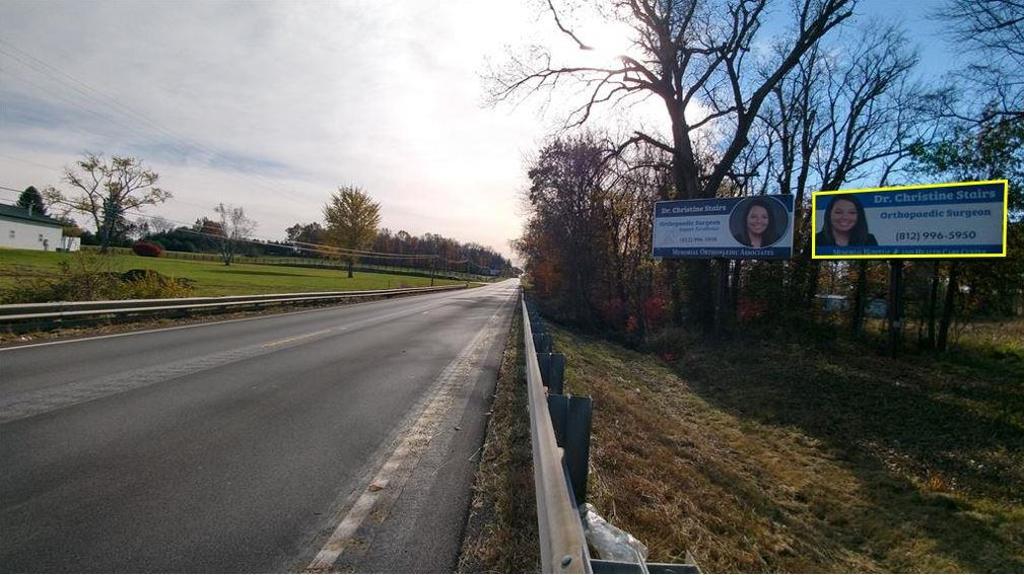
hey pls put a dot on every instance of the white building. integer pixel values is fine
(21, 229)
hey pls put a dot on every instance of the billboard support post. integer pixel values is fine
(895, 305)
(721, 303)
(860, 292)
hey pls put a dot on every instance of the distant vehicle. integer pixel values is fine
(833, 303)
(877, 307)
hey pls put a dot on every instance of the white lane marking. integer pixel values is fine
(444, 389)
(445, 295)
(296, 338)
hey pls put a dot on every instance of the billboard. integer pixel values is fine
(757, 227)
(960, 220)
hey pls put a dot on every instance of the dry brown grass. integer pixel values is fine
(799, 457)
(501, 532)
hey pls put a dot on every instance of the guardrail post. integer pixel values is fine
(542, 342)
(571, 417)
(536, 321)
(552, 371)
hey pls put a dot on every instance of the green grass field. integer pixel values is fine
(213, 278)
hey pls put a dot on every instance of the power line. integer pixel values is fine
(98, 97)
(30, 162)
(119, 110)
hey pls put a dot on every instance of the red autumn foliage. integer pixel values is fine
(655, 310)
(147, 249)
(749, 308)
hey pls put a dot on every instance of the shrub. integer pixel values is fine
(148, 284)
(90, 277)
(613, 312)
(147, 249)
(84, 276)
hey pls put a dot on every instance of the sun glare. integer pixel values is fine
(608, 41)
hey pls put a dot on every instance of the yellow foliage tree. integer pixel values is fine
(352, 218)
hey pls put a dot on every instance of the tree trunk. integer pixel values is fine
(948, 306)
(105, 232)
(933, 301)
(699, 284)
(350, 264)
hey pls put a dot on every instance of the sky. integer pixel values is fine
(274, 105)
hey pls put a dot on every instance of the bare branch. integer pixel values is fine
(565, 30)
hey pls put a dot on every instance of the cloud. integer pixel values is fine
(272, 106)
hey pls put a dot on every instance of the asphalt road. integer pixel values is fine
(328, 439)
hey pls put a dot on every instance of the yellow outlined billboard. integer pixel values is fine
(955, 220)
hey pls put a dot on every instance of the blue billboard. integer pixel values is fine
(958, 220)
(756, 227)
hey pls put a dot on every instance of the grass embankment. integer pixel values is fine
(794, 456)
(213, 278)
(501, 532)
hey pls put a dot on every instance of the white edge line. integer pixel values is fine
(423, 426)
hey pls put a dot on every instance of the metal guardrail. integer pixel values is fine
(560, 437)
(563, 547)
(13, 313)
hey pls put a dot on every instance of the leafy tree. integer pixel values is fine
(209, 228)
(586, 243)
(235, 228)
(312, 233)
(32, 199)
(352, 218)
(107, 191)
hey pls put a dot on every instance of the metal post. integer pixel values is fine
(722, 295)
(571, 417)
(542, 342)
(552, 371)
(895, 305)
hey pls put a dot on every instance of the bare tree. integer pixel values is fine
(691, 54)
(235, 227)
(993, 33)
(107, 191)
(161, 225)
(837, 119)
(695, 55)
